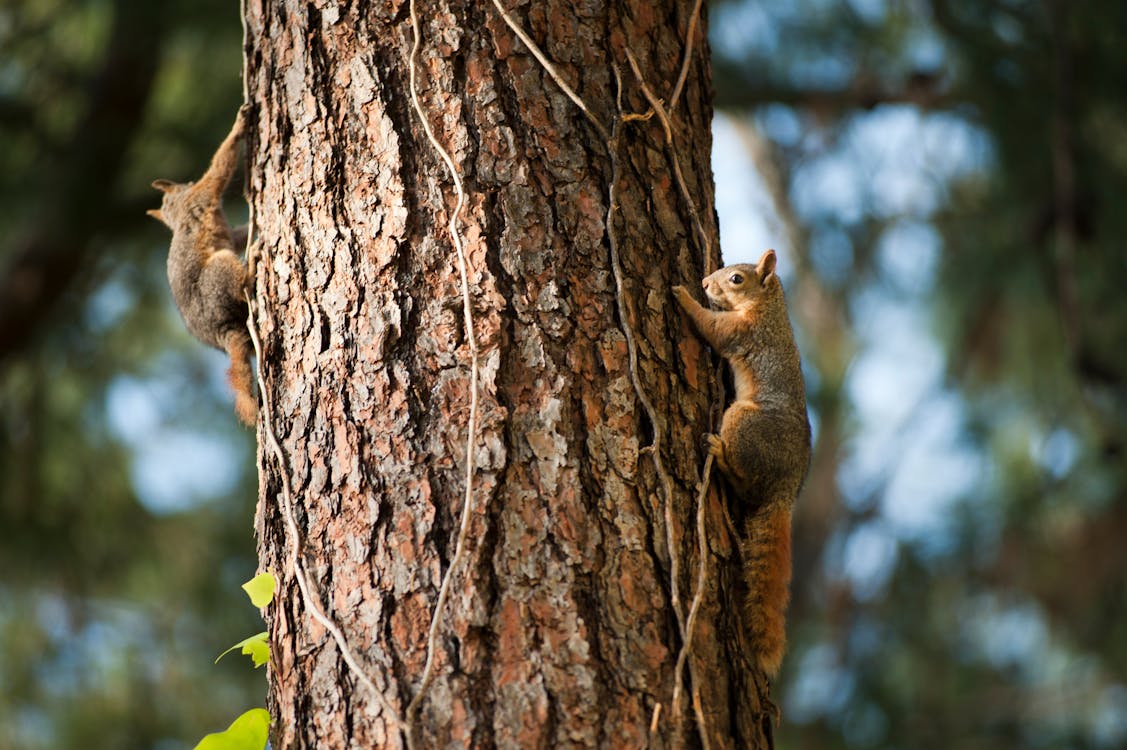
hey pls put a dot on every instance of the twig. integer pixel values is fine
(243, 19)
(686, 628)
(658, 424)
(690, 33)
(694, 609)
(312, 602)
(471, 429)
(250, 261)
(632, 354)
(542, 58)
(663, 117)
(611, 140)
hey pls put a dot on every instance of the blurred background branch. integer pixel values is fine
(71, 212)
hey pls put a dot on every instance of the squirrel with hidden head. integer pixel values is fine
(763, 448)
(207, 276)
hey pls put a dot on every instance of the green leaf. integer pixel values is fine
(256, 647)
(248, 732)
(260, 589)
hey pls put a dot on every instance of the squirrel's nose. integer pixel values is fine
(704, 284)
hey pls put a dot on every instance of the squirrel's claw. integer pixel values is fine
(682, 295)
(240, 122)
(715, 446)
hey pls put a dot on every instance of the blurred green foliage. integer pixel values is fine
(945, 179)
(117, 589)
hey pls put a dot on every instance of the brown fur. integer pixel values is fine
(207, 277)
(240, 376)
(763, 448)
(766, 555)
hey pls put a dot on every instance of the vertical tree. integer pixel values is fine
(481, 444)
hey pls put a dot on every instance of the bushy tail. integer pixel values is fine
(767, 568)
(240, 375)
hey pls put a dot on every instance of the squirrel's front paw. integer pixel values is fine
(682, 294)
(241, 119)
(715, 446)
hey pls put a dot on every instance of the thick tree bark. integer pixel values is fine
(560, 630)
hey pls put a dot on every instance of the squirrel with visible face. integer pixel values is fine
(208, 278)
(763, 448)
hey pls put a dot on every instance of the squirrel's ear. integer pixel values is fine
(164, 185)
(156, 214)
(766, 266)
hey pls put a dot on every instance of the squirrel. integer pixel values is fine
(763, 449)
(208, 279)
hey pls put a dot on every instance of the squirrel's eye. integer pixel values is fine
(736, 279)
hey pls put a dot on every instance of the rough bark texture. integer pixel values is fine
(560, 631)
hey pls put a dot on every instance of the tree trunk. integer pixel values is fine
(560, 629)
